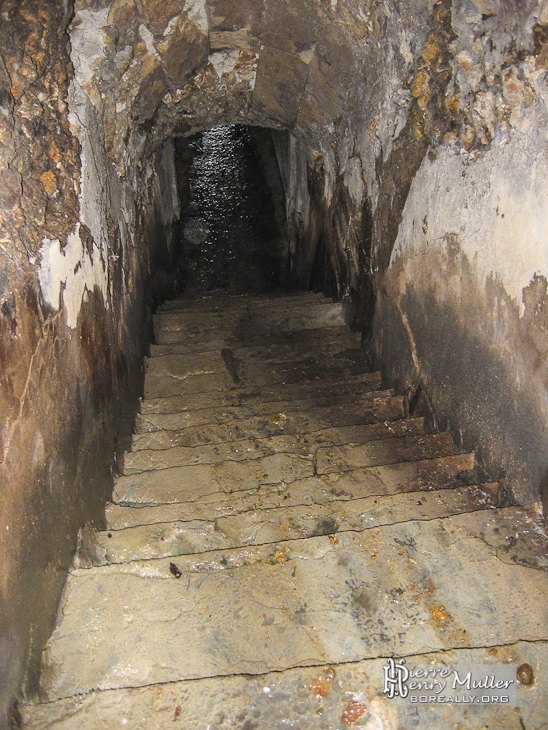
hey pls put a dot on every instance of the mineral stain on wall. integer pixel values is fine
(467, 269)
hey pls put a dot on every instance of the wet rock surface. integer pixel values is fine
(230, 238)
(298, 558)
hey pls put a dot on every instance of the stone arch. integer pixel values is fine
(177, 67)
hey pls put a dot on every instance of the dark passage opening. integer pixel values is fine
(232, 231)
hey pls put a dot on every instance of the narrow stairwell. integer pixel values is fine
(282, 526)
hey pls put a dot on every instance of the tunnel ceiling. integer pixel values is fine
(154, 68)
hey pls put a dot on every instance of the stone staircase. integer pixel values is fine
(282, 526)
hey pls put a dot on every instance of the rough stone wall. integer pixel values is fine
(74, 315)
(462, 285)
(336, 75)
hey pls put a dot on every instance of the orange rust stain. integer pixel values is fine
(319, 686)
(54, 153)
(280, 556)
(438, 614)
(431, 49)
(49, 182)
(419, 85)
(353, 711)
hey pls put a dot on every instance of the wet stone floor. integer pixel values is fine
(282, 528)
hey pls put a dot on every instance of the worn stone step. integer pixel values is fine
(274, 420)
(211, 491)
(302, 338)
(343, 363)
(330, 339)
(276, 411)
(335, 354)
(257, 527)
(346, 413)
(325, 697)
(259, 328)
(253, 397)
(248, 315)
(396, 447)
(238, 430)
(188, 385)
(301, 603)
(409, 447)
(212, 378)
(170, 370)
(167, 485)
(238, 321)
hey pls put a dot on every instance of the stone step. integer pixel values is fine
(273, 540)
(222, 300)
(170, 484)
(161, 384)
(394, 590)
(272, 433)
(211, 491)
(304, 338)
(379, 407)
(270, 417)
(237, 323)
(310, 367)
(409, 447)
(258, 527)
(251, 397)
(299, 343)
(258, 329)
(276, 411)
(327, 355)
(246, 315)
(238, 430)
(321, 697)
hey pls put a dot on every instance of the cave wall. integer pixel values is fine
(77, 245)
(461, 307)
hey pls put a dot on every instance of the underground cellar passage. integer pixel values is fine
(232, 229)
(230, 498)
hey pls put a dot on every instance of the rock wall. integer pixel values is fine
(232, 227)
(77, 247)
(460, 320)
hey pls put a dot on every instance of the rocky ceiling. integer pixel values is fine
(155, 68)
